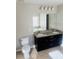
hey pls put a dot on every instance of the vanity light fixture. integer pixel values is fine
(45, 8)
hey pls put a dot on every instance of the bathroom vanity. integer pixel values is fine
(47, 39)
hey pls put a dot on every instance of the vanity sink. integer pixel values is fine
(41, 35)
(50, 32)
(47, 33)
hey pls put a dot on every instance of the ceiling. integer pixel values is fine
(43, 2)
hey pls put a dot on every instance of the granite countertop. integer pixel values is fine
(45, 33)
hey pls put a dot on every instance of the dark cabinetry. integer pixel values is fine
(48, 42)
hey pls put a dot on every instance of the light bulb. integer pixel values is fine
(42, 8)
(49, 9)
(45, 8)
(52, 8)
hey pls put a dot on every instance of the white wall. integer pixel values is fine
(24, 14)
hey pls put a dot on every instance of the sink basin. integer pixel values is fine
(55, 32)
(41, 35)
(50, 33)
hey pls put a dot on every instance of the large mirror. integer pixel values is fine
(44, 22)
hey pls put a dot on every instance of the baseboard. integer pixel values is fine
(18, 50)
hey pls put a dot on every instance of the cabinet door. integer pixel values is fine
(59, 39)
(55, 40)
(42, 43)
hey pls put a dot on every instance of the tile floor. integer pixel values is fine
(42, 54)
